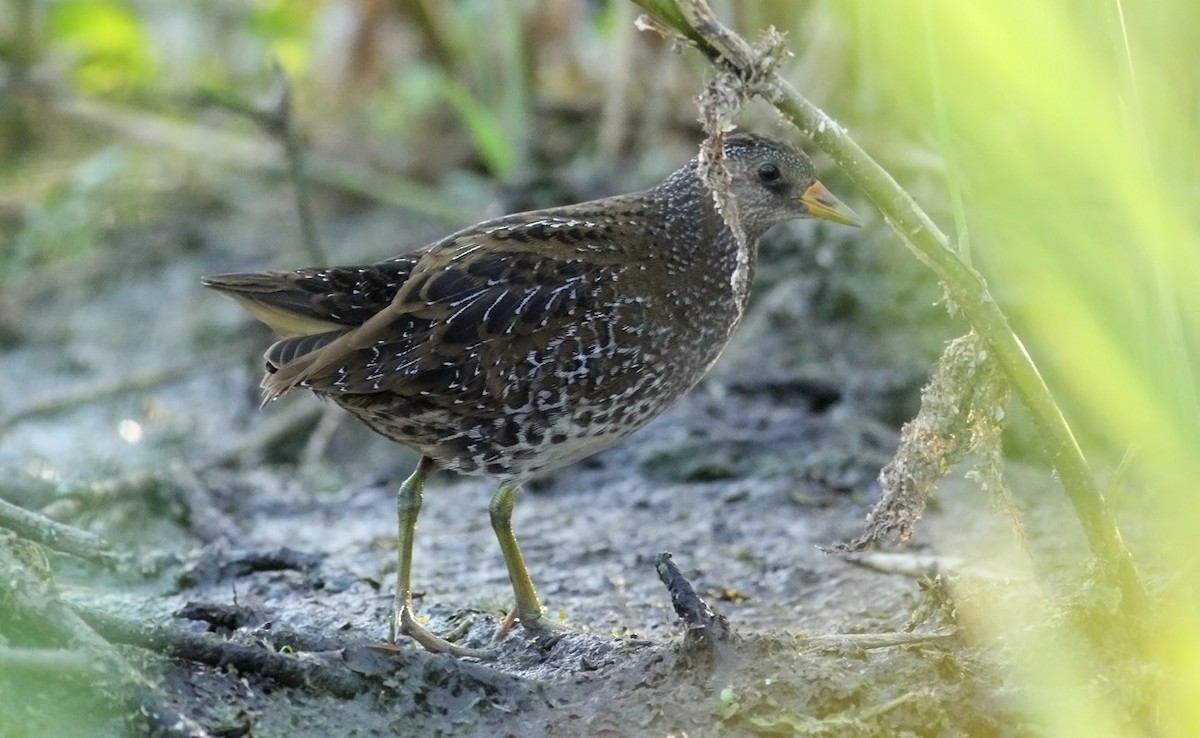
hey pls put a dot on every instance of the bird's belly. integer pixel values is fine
(511, 445)
(538, 451)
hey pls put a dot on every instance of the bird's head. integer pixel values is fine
(773, 182)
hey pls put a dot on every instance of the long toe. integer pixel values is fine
(434, 643)
(544, 624)
(538, 624)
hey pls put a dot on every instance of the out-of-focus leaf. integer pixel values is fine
(485, 128)
(286, 25)
(69, 221)
(111, 46)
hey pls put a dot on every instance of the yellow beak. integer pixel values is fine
(821, 203)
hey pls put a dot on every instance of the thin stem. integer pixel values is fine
(286, 130)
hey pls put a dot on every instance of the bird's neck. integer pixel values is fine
(706, 240)
(707, 270)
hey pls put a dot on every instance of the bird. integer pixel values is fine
(526, 342)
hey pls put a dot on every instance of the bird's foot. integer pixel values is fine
(405, 623)
(537, 623)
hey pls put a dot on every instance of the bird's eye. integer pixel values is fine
(768, 172)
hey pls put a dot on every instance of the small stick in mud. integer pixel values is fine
(58, 536)
(704, 625)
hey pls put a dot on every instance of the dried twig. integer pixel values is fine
(57, 536)
(319, 672)
(343, 672)
(872, 641)
(704, 626)
(276, 117)
(286, 130)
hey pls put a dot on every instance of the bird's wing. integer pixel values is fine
(462, 309)
(318, 300)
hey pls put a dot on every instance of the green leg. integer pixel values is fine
(528, 608)
(404, 622)
(408, 507)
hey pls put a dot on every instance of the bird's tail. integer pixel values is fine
(288, 362)
(275, 299)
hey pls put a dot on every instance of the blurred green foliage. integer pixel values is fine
(412, 99)
(1067, 130)
(106, 41)
(70, 218)
(285, 26)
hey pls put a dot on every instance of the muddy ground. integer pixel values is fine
(130, 410)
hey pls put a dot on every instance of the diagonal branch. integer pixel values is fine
(693, 22)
